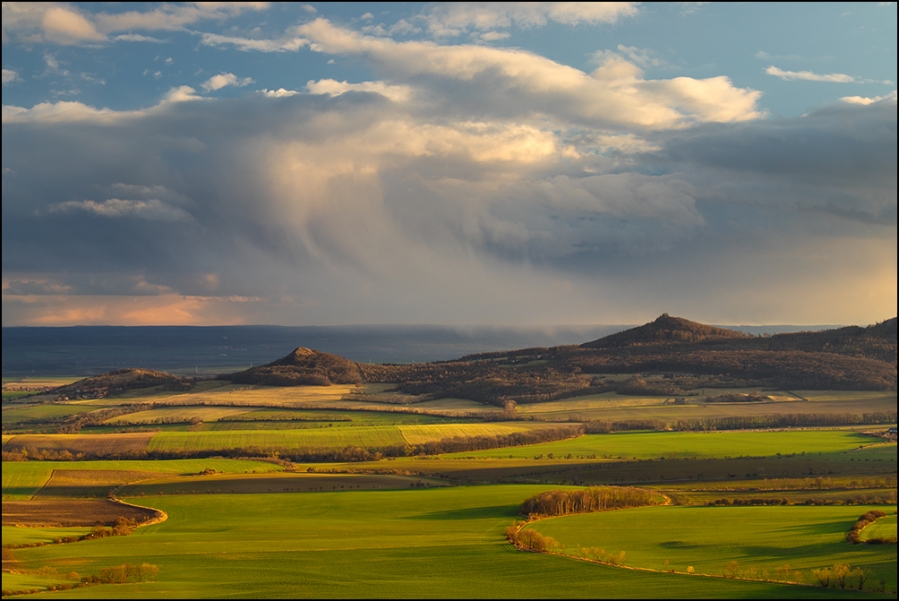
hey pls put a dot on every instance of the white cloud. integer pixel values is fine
(809, 76)
(286, 44)
(57, 112)
(65, 24)
(9, 76)
(136, 37)
(490, 36)
(152, 209)
(181, 94)
(173, 17)
(279, 93)
(217, 82)
(891, 97)
(457, 18)
(335, 88)
(616, 94)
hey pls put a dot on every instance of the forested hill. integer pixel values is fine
(665, 330)
(874, 342)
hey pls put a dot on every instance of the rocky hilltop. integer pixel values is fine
(664, 330)
(302, 366)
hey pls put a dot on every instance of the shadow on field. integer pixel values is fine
(471, 513)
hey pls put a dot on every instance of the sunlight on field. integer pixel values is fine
(882, 528)
(649, 445)
(176, 414)
(847, 395)
(673, 538)
(22, 480)
(433, 432)
(14, 415)
(13, 535)
(451, 404)
(401, 543)
(322, 438)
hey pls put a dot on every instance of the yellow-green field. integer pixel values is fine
(176, 414)
(22, 480)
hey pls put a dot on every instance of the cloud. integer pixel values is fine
(335, 88)
(10, 76)
(67, 25)
(891, 97)
(287, 43)
(614, 95)
(217, 82)
(457, 18)
(136, 37)
(831, 77)
(152, 209)
(309, 202)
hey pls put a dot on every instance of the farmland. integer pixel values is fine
(407, 488)
(710, 538)
(362, 544)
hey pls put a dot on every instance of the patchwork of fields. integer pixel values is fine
(403, 527)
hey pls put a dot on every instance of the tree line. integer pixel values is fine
(594, 498)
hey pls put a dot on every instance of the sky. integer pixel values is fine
(455, 164)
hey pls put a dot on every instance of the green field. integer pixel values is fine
(15, 415)
(414, 543)
(759, 539)
(654, 445)
(882, 528)
(13, 535)
(22, 480)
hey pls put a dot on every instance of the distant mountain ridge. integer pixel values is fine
(667, 356)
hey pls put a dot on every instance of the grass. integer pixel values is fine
(233, 394)
(882, 528)
(22, 480)
(614, 407)
(83, 443)
(317, 439)
(15, 415)
(13, 535)
(273, 482)
(759, 539)
(653, 445)
(397, 544)
(422, 434)
(176, 413)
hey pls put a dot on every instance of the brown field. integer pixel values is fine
(277, 482)
(72, 512)
(88, 483)
(82, 443)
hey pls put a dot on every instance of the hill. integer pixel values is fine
(877, 341)
(665, 330)
(302, 366)
(120, 381)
